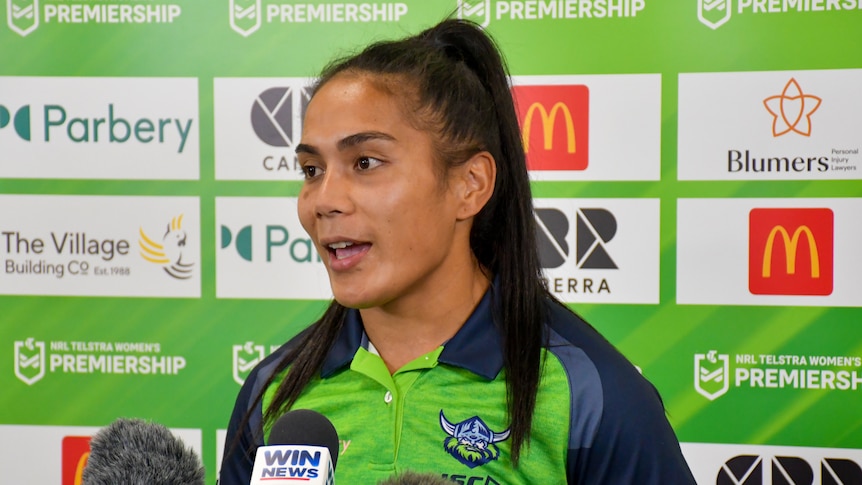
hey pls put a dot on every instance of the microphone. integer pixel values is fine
(137, 452)
(413, 478)
(303, 445)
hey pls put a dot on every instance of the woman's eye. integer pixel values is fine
(367, 163)
(310, 171)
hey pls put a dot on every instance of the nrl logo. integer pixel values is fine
(245, 357)
(478, 11)
(711, 374)
(245, 16)
(713, 13)
(22, 16)
(29, 361)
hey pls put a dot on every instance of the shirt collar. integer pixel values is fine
(476, 347)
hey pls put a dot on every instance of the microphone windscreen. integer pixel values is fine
(413, 478)
(137, 452)
(305, 427)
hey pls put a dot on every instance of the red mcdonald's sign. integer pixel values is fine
(554, 125)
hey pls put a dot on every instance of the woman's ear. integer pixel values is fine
(476, 178)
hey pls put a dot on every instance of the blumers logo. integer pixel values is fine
(780, 125)
(168, 253)
(711, 374)
(482, 11)
(790, 251)
(20, 121)
(245, 16)
(555, 125)
(595, 228)
(75, 452)
(29, 361)
(791, 110)
(471, 441)
(714, 377)
(714, 13)
(22, 16)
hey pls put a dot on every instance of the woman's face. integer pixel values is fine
(373, 202)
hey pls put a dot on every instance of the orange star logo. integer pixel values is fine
(791, 110)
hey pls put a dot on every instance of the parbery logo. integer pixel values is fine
(20, 121)
(22, 16)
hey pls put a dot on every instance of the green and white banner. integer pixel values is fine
(696, 166)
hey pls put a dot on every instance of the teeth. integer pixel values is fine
(340, 245)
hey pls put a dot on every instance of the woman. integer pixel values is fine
(442, 352)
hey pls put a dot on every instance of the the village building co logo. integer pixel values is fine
(791, 110)
(169, 252)
(22, 16)
(711, 374)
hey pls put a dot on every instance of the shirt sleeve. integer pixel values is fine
(634, 442)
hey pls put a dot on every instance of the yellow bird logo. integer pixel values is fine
(168, 253)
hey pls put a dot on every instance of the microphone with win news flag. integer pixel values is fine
(303, 445)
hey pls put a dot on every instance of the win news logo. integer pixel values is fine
(790, 251)
(554, 125)
(594, 229)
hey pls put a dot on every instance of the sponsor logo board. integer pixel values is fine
(744, 464)
(57, 454)
(99, 128)
(258, 122)
(99, 246)
(600, 250)
(247, 16)
(573, 126)
(779, 125)
(793, 252)
(263, 251)
(484, 12)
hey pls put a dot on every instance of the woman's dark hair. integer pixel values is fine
(454, 84)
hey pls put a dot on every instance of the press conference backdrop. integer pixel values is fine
(696, 168)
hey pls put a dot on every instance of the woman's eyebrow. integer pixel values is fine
(356, 139)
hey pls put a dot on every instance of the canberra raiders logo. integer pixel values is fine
(471, 441)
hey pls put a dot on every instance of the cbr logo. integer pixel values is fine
(786, 470)
(711, 374)
(29, 361)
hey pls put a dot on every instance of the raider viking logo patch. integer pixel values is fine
(471, 441)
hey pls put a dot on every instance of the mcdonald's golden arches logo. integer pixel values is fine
(75, 451)
(554, 125)
(790, 251)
